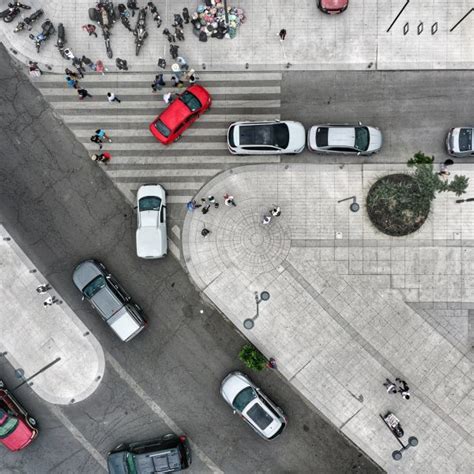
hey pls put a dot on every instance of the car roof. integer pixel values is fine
(161, 461)
(341, 136)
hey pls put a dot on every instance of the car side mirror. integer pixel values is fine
(358, 153)
(360, 123)
(234, 412)
(83, 298)
(136, 207)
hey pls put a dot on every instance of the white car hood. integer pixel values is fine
(232, 386)
(376, 140)
(123, 324)
(297, 137)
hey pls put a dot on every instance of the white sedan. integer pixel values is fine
(271, 137)
(151, 231)
(345, 139)
(253, 405)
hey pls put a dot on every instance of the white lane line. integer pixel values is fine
(174, 249)
(176, 231)
(144, 132)
(163, 172)
(157, 146)
(223, 159)
(79, 436)
(71, 118)
(123, 374)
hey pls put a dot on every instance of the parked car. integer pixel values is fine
(151, 229)
(180, 114)
(266, 138)
(17, 427)
(459, 142)
(109, 299)
(253, 406)
(332, 7)
(170, 453)
(346, 139)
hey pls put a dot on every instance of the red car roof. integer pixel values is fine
(21, 436)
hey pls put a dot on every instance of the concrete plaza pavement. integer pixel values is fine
(348, 305)
(48, 345)
(354, 40)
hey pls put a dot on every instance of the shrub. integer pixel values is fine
(252, 357)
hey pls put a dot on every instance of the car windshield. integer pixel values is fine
(465, 139)
(149, 203)
(94, 286)
(244, 398)
(191, 101)
(162, 128)
(361, 138)
(268, 135)
(9, 424)
(259, 416)
(322, 136)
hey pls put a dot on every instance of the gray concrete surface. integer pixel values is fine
(337, 320)
(61, 207)
(56, 353)
(354, 40)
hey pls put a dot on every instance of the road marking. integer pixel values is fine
(123, 374)
(79, 436)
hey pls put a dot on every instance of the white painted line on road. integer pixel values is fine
(176, 231)
(79, 436)
(144, 132)
(174, 249)
(123, 374)
(72, 118)
(224, 159)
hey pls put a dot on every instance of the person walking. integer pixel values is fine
(177, 82)
(229, 200)
(102, 158)
(101, 134)
(158, 83)
(212, 200)
(41, 289)
(72, 83)
(77, 63)
(111, 97)
(183, 64)
(90, 29)
(88, 62)
(205, 232)
(167, 98)
(72, 74)
(186, 15)
(443, 172)
(205, 209)
(121, 64)
(282, 34)
(276, 211)
(403, 389)
(266, 219)
(83, 93)
(96, 139)
(192, 205)
(390, 386)
(35, 71)
(99, 67)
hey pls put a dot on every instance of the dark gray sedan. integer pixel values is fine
(109, 299)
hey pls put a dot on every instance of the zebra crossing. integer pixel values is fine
(137, 157)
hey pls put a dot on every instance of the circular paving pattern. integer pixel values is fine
(250, 246)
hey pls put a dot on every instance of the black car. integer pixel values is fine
(170, 453)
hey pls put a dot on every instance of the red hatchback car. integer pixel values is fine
(180, 114)
(17, 427)
(332, 7)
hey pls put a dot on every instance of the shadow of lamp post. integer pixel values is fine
(249, 323)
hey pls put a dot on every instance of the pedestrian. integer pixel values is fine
(178, 20)
(77, 63)
(390, 386)
(121, 64)
(96, 139)
(167, 98)
(205, 209)
(35, 71)
(177, 82)
(212, 200)
(282, 34)
(88, 62)
(266, 219)
(71, 82)
(83, 93)
(158, 83)
(179, 33)
(99, 67)
(48, 301)
(191, 205)
(192, 77)
(101, 134)
(171, 38)
(132, 5)
(403, 389)
(183, 64)
(276, 211)
(111, 97)
(186, 15)
(174, 50)
(444, 173)
(229, 200)
(102, 158)
(90, 29)
(43, 288)
(205, 232)
(70, 73)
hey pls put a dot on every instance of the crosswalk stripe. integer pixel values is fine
(156, 146)
(111, 78)
(141, 91)
(144, 132)
(160, 105)
(122, 174)
(137, 160)
(71, 118)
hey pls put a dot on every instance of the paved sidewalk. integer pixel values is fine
(352, 40)
(49, 341)
(349, 306)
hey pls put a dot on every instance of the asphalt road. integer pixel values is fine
(61, 208)
(413, 109)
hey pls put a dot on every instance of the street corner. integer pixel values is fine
(47, 345)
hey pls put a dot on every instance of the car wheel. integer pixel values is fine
(32, 421)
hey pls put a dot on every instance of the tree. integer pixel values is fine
(420, 159)
(252, 357)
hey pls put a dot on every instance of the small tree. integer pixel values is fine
(252, 358)
(420, 159)
(458, 185)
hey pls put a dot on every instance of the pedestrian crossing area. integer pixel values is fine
(182, 168)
